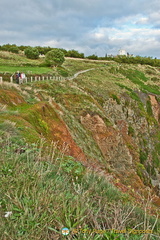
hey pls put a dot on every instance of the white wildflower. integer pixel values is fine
(7, 214)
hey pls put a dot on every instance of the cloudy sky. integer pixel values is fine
(89, 26)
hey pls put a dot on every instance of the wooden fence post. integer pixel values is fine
(31, 79)
(11, 79)
(20, 80)
(35, 78)
(1, 79)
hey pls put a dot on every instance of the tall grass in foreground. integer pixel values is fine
(41, 193)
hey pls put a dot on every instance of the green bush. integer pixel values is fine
(75, 54)
(93, 57)
(31, 53)
(54, 57)
(14, 49)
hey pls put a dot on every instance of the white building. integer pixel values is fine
(122, 52)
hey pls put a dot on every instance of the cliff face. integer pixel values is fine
(110, 141)
(99, 121)
(140, 135)
(130, 145)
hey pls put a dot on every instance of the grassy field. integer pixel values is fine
(11, 63)
(25, 69)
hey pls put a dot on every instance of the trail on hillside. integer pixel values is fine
(80, 72)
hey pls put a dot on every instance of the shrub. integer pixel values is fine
(75, 54)
(94, 57)
(75, 169)
(55, 57)
(14, 49)
(31, 53)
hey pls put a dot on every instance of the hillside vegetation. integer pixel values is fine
(82, 152)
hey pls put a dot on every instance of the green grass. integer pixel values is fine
(45, 192)
(74, 66)
(25, 69)
(11, 63)
(12, 59)
(139, 79)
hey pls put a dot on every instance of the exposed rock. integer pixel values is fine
(155, 107)
(109, 141)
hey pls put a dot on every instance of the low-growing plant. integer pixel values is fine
(116, 98)
(143, 155)
(131, 130)
(149, 108)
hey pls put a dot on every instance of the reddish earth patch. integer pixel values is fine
(155, 107)
(10, 97)
(156, 201)
(56, 130)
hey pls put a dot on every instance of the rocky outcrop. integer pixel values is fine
(110, 142)
(155, 107)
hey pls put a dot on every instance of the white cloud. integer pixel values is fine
(88, 26)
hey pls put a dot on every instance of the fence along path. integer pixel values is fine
(36, 78)
(42, 78)
(32, 79)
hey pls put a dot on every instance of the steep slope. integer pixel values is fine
(108, 118)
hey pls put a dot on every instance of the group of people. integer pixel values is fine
(20, 76)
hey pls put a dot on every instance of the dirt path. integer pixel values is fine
(76, 74)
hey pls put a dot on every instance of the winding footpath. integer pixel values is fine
(76, 74)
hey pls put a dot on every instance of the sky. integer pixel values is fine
(89, 26)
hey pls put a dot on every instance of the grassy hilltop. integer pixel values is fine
(81, 152)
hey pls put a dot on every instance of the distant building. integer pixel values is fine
(122, 52)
